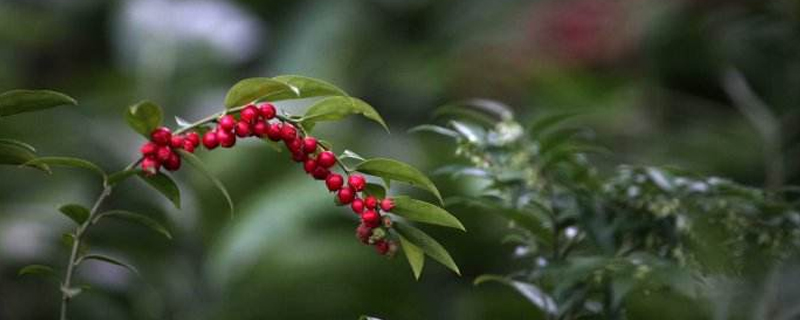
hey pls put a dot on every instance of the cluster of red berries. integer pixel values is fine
(160, 150)
(372, 230)
(254, 121)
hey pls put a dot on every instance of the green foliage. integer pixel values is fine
(195, 162)
(164, 185)
(19, 101)
(107, 259)
(337, 108)
(389, 169)
(137, 218)
(428, 245)
(76, 212)
(421, 211)
(144, 117)
(592, 240)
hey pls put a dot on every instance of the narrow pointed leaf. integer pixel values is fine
(427, 244)
(165, 185)
(11, 154)
(19, 101)
(395, 170)
(195, 162)
(144, 117)
(18, 144)
(375, 190)
(140, 219)
(435, 129)
(310, 87)
(107, 259)
(422, 211)
(120, 176)
(67, 162)
(337, 108)
(415, 256)
(76, 212)
(252, 89)
(37, 270)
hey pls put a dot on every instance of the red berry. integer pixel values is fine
(194, 138)
(357, 206)
(274, 131)
(310, 165)
(226, 139)
(299, 157)
(267, 111)
(227, 122)
(260, 129)
(382, 247)
(357, 181)
(249, 114)
(346, 195)
(288, 132)
(149, 148)
(371, 218)
(334, 182)
(371, 202)
(387, 204)
(176, 141)
(310, 144)
(326, 159)
(321, 173)
(363, 232)
(294, 146)
(150, 166)
(188, 146)
(161, 136)
(173, 163)
(210, 140)
(243, 129)
(163, 153)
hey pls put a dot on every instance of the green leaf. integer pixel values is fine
(531, 292)
(422, 211)
(76, 212)
(368, 318)
(337, 108)
(68, 239)
(462, 110)
(395, 170)
(140, 219)
(435, 129)
(37, 270)
(194, 161)
(123, 175)
(375, 190)
(310, 87)
(415, 256)
(12, 154)
(107, 259)
(18, 144)
(19, 101)
(252, 89)
(144, 117)
(67, 162)
(165, 185)
(347, 154)
(427, 244)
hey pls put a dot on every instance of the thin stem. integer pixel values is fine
(73, 258)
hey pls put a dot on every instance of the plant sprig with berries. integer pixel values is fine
(249, 113)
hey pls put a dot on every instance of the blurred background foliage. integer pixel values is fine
(668, 83)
